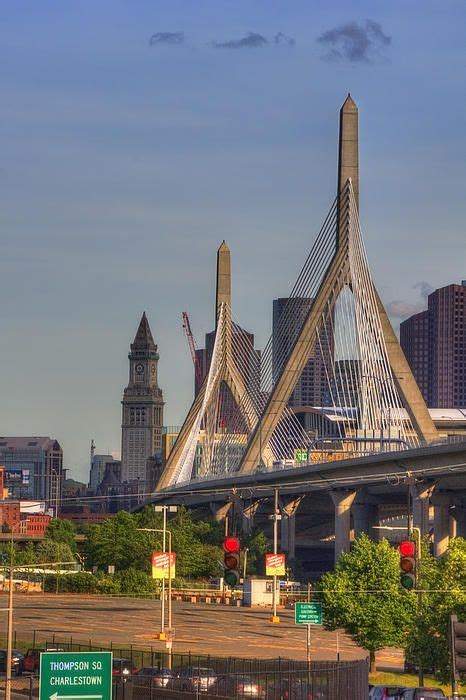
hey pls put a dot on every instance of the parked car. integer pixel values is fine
(386, 692)
(195, 679)
(155, 677)
(16, 657)
(30, 663)
(295, 690)
(238, 686)
(422, 694)
(123, 669)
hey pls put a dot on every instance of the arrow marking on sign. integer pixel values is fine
(56, 696)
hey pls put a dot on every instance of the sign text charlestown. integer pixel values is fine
(75, 675)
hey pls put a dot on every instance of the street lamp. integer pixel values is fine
(9, 643)
(10, 615)
(164, 532)
(417, 531)
(275, 517)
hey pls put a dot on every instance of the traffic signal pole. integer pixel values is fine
(416, 531)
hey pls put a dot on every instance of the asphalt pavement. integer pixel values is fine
(200, 628)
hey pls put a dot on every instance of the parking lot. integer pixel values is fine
(199, 628)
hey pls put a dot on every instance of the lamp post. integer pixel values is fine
(9, 642)
(10, 616)
(164, 533)
(275, 517)
(417, 531)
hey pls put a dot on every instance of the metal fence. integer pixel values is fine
(185, 675)
(321, 681)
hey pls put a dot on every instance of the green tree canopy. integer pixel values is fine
(443, 582)
(50, 551)
(64, 531)
(363, 596)
(119, 541)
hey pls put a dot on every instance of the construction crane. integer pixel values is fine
(192, 348)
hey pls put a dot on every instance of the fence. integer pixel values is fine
(322, 681)
(198, 676)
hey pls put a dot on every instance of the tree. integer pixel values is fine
(257, 545)
(443, 581)
(116, 541)
(133, 581)
(63, 531)
(50, 551)
(119, 541)
(363, 596)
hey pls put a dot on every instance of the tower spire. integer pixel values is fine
(143, 339)
(223, 292)
(348, 158)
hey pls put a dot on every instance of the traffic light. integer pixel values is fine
(231, 548)
(407, 551)
(458, 647)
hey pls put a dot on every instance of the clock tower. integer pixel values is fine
(142, 414)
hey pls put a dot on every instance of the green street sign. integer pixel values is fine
(75, 675)
(308, 613)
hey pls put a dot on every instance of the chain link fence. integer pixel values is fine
(149, 674)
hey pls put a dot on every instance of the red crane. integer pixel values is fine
(192, 348)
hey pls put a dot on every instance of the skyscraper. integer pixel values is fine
(142, 413)
(447, 335)
(312, 387)
(414, 339)
(434, 343)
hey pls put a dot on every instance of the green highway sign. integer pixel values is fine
(75, 675)
(308, 613)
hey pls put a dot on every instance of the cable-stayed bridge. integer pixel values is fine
(335, 320)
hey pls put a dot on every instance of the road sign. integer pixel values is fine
(161, 567)
(308, 613)
(75, 675)
(275, 565)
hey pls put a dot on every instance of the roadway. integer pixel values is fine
(200, 628)
(379, 474)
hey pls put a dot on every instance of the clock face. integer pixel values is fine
(139, 368)
(152, 369)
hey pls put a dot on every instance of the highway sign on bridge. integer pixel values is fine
(75, 675)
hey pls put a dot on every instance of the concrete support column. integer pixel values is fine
(342, 500)
(220, 511)
(420, 497)
(288, 535)
(441, 523)
(365, 516)
(288, 526)
(249, 511)
(459, 513)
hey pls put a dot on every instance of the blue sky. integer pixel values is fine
(124, 164)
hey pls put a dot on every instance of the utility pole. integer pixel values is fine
(276, 517)
(9, 643)
(164, 509)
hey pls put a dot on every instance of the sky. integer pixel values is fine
(136, 135)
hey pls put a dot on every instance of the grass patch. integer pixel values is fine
(409, 680)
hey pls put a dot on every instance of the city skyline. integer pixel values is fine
(145, 165)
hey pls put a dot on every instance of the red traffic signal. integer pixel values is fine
(407, 551)
(231, 548)
(231, 544)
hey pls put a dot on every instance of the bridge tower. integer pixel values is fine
(333, 280)
(223, 369)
